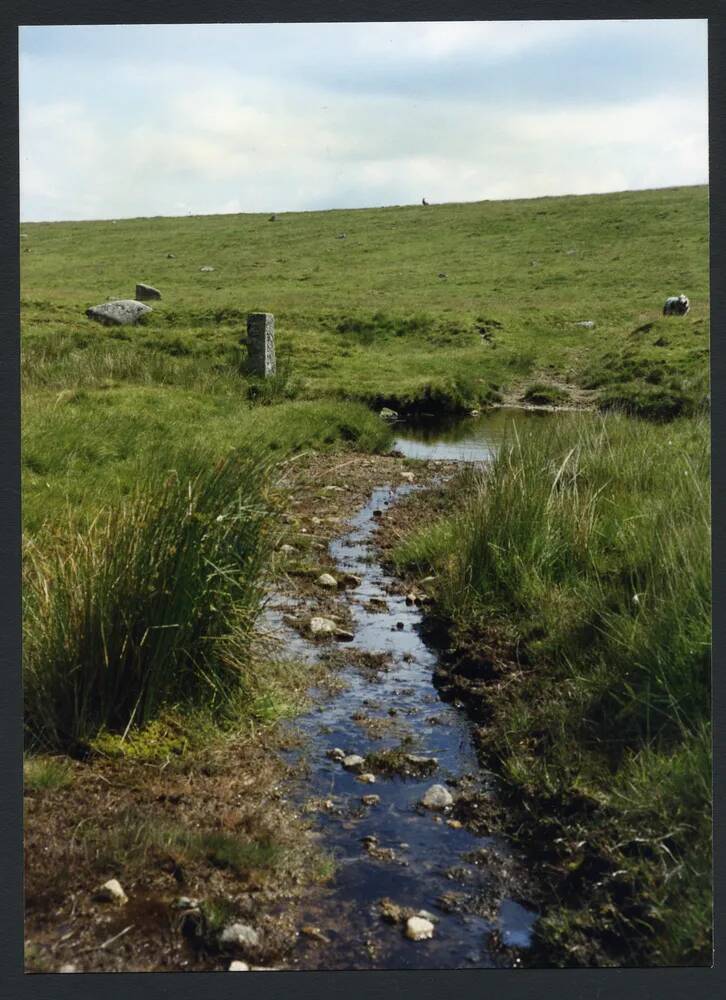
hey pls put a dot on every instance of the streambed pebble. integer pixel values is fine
(437, 797)
(419, 929)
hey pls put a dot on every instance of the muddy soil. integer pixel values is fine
(95, 829)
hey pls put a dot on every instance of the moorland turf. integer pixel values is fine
(151, 494)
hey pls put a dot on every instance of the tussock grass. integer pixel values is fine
(44, 773)
(586, 544)
(153, 604)
(594, 534)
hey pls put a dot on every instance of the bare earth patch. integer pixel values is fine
(212, 828)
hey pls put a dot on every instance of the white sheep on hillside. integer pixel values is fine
(676, 305)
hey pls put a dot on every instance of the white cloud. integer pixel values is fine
(493, 40)
(167, 136)
(660, 122)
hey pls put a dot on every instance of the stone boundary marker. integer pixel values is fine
(146, 292)
(260, 342)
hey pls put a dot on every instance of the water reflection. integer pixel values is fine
(468, 439)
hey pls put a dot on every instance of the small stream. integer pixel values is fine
(417, 857)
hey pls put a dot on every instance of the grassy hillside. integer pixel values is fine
(440, 307)
(152, 504)
(457, 302)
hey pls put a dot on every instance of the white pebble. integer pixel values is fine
(419, 929)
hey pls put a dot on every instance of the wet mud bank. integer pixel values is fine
(594, 917)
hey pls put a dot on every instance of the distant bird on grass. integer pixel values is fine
(424, 202)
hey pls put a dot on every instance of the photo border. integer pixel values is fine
(515, 984)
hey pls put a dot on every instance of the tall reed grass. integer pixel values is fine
(151, 605)
(593, 535)
(585, 543)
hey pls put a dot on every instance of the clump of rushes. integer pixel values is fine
(581, 560)
(152, 605)
(46, 773)
(594, 536)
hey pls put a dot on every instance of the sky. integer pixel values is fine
(124, 121)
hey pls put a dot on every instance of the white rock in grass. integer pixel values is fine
(437, 797)
(111, 892)
(241, 935)
(120, 312)
(186, 903)
(238, 967)
(326, 580)
(419, 929)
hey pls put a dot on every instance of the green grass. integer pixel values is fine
(135, 838)
(152, 604)
(584, 548)
(42, 773)
(131, 605)
(369, 317)
(84, 449)
(267, 690)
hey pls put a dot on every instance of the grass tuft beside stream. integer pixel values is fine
(152, 604)
(576, 574)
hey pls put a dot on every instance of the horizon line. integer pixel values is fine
(364, 208)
